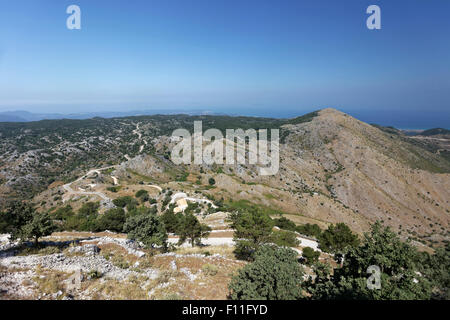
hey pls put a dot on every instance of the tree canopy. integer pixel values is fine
(146, 228)
(275, 274)
(252, 229)
(22, 222)
(191, 229)
(399, 276)
(337, 238)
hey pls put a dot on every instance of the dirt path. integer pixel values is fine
(155, 186)
(139, 134)
(70, 191)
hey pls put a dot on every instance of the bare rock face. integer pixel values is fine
(142, 164)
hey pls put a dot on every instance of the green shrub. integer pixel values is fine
(308, 229)
(285, 224)
(252, 229)
(210, 269)
(285, 238)
(275, 274)
(337, 238)
(112, 220)
(125, 201)
(310, 255)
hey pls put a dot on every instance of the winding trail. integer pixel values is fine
(155, 186)
(139, 134)
(71, 192)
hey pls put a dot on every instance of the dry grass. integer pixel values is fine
(80, 234)
(225, 250)
(25, 251)
(210, 269)
(131, 289)
(212, 276)
(49, 281)
(117, 255)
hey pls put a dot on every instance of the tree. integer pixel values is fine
(171, 221)
(63, 213)
(191, 229)
(24, 223)
(275, 274)
(125, 201)
(211, 181)
(89, 209)
(308, 229)
(337, 238)
(40, 225)
(285, 224)
(146, 228)
(284, 238)
(399, 277)
(436, 268)
(112, 220)
(142, 195)
(310, 255)
(252, 229)
(15, 217)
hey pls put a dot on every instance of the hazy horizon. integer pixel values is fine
(402, 121)
(261, 58)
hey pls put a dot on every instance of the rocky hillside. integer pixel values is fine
(333, 168)
(375, 174)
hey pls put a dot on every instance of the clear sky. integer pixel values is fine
(278, 58)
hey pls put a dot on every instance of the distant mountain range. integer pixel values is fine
(426, 133)
(26, 116)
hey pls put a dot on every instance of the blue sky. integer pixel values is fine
(277, 58)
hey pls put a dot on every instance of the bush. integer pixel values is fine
(94, 274)
(143, 195)
(274, 275)
(114, 189)
(211, 181)
(140, 193)
(64, 213)
(89, 209)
